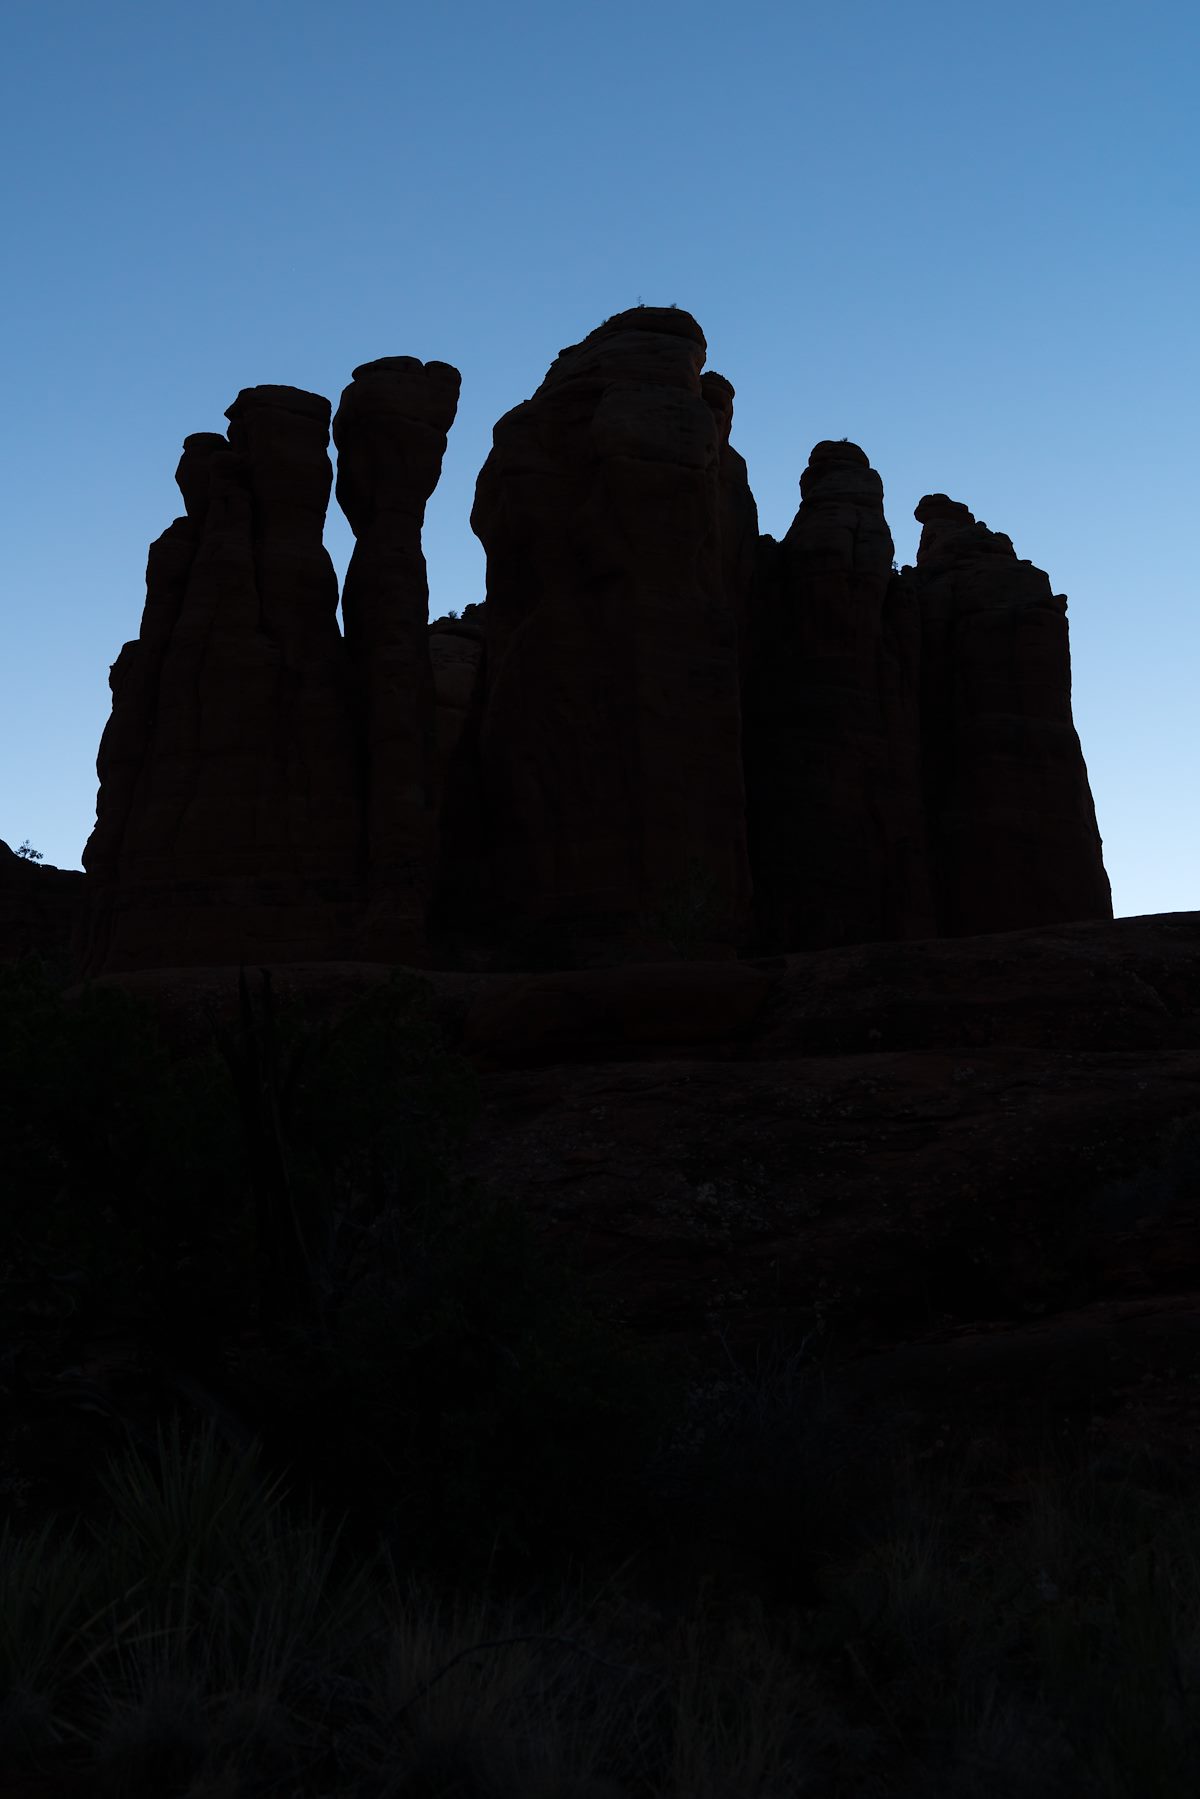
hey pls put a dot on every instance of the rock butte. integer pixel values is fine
(662, 734)
(663, 743)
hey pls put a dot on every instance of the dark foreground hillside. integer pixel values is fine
(797, 1356)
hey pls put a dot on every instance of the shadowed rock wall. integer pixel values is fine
(39, 908)
(264, 785)
(606, 753)
(1010, 817)
(228, 819)
(456, 652)
(832, 734)
(390, 431)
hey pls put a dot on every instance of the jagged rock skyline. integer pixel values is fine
(655, 708)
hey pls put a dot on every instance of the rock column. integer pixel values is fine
(390, 430)
(832, 735)
(1012, 823)
(609, 737)
(228, 823)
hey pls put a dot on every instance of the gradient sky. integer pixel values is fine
(965, 237)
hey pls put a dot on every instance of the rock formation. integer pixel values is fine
(229, 821)
(390, 431)
(264, 783)
(662, 735)
(1011, 825)
(39, 907)
(831, 732)
(609, 736)
(738, 512)
(456, 652)
(935, 1162)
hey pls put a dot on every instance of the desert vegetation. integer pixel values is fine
(390, 1502)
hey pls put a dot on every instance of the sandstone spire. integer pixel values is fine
(1012, 826)
(228, 820)
(390, 431)
(609, 736)
(831, 725)
(661, 734)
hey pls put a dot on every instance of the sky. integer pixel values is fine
(965, 237)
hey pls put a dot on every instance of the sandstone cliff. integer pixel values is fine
(390, 431)
(39, 906)
(831, 730)
(663, 734)
(1009, 813)
(228, 820)
(606, 754)
(264, 782)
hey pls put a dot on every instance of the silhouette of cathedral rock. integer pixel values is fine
(662, 734)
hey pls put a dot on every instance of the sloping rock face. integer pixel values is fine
(266, 785)
(39, 908)
(1011, 823)
(948, 1164)
(967, 1169)
(754, 1178)
(390, 431)
(832, 730)
(607, 750)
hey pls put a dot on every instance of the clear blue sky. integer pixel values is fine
(965, 237)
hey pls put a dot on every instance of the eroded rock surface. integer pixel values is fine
(390, 431)
(963, 1167)
(663, 734)
(266, 785)
(608, 743)
(229, 814)
(456, 653)
(832, 726)
(1011, 824)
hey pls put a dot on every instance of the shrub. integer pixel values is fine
(484, 1409)
(432, 1368)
